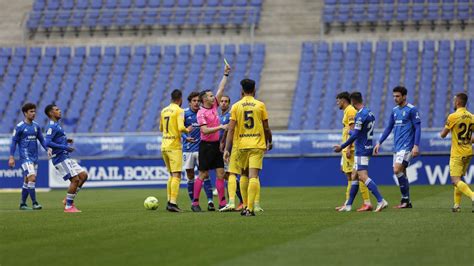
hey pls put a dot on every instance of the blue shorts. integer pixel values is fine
(361, 163)
(68, 169)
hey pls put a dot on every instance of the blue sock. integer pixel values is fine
(373, 188)
(404, 186)
(24, 193)
(191, 189)
(237, 192)
(208, 189)
(353, 192)
(32, 191)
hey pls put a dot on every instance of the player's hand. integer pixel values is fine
(348, 152)
(222, 147)
(415, 151)
(226, 156)
(226, 69)
(337, 148)
(224, 127)
(70, 141)
(11, 162)
(50, 153)
(70, 149)
(269, 146)
(189, 139)
(376, 149)
(190, 128)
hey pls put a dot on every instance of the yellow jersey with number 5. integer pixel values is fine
(461, 124)
(172, 124)
(249, 114)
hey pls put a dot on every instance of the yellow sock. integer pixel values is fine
(253, 187)
(464, 188)
(232, 188)
(168, 188)
(174, 189)
(257, 195)
(348, 189)
(244, 185)
(364, 191)
(457, 196)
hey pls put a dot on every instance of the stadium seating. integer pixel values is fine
(390, 13)
(432, 71)
(116, 89)
(64, 15)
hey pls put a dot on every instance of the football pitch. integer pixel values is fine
(299, 226)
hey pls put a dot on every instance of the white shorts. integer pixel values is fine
(68, 169)
(29, 169)
(361, 163)
(190, 159)
(402, 157)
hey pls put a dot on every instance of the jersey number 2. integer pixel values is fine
(249, 121)
(464, 136)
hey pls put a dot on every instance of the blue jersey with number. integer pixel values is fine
(27, 137)
(364, 124)
(56, 140)
(190, 118)
(224, 119)
(403, 120)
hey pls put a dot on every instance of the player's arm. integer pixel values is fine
(415, 118)
(53, 145)
(15, 137)
(268, 134)
(448, 126)
(223, 140)
(220, 89)
(181, 127)
(41, 139)
(209, 130)
(351, 139)
(229, 139)
(385, 134)
(351, 129)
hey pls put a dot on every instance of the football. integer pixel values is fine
(151, 203)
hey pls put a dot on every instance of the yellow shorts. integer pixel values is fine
(173, 160)
(251, 158)
(234, 163)
(347, 164)
(458, 165)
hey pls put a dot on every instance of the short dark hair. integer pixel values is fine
(28, 106)
(356, 97)
(202, 93)
(462, 98)
(344, 95)
(49, 108)
(226, 96)
(192, 95)
(176, 95)
(248, 85)
(401, 90)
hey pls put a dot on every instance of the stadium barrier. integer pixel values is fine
(299, 158)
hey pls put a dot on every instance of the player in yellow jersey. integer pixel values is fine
(461, 125)
(249, 119)
(172, 125)
(347, 158)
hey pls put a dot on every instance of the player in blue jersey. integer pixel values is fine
(406, 125)
(362, 135)
(26, 134)
(233, 183)
(61, 147)
(191, 149)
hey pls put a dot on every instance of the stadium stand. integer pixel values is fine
(432, 71)
(391, 13)
(115, 89)
(97, 15)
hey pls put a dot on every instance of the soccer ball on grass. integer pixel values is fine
(151, 203)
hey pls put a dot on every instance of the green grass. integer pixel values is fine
(299, 226)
